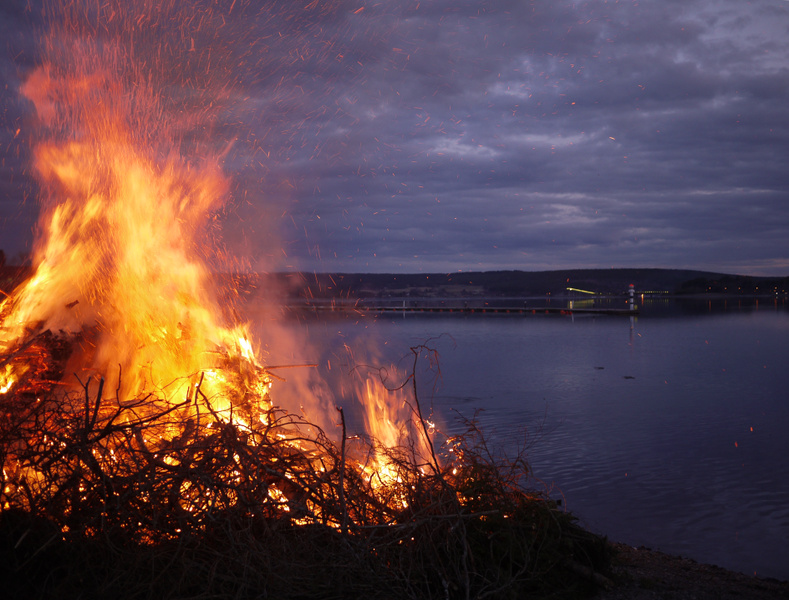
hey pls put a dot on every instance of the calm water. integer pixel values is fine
(669, 430)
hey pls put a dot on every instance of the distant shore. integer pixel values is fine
(577, 284)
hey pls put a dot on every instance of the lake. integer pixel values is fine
(669, 429)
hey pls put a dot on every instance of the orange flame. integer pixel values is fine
(389, 418)
(120, 255)
(124, 243)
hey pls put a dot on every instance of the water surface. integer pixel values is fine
(669, 430)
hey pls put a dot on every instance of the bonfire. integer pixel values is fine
(142, 451)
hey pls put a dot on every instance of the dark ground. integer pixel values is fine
(645, 574)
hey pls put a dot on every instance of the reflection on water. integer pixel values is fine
(668, 429)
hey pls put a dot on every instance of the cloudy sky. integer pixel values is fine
(446, 135)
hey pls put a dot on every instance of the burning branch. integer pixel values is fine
(189, 480)
(145, 473)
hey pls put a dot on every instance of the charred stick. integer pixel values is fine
(429, 441)
(341, 485)
(118, 387)
(87, 402)
(98, 402)
(198, 391)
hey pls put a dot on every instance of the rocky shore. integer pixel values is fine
(645, 574)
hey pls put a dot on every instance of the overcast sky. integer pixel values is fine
(446, 135)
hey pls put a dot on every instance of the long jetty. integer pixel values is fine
(427, 306)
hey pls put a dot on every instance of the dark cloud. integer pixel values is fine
(437, 136)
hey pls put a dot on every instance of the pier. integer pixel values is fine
(447, 307)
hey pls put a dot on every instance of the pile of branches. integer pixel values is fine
(139, 498)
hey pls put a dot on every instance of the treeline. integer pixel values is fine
(487, 284)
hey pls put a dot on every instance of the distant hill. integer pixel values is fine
(520, 283)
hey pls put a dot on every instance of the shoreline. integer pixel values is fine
(645, 574)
